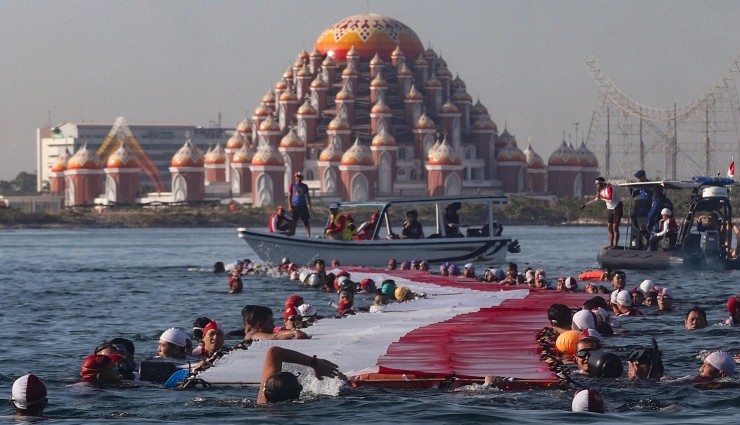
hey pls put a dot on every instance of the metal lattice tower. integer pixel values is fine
(675, 142)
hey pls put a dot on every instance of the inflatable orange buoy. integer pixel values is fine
(592, 275)
(567, 342)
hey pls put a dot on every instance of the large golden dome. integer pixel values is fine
(369, 34)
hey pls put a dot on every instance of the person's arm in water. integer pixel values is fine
(275, 358)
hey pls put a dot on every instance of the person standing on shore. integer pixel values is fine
(605, 192)
(300, 203)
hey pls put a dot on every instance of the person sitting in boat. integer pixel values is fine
(451, 220)
(733, 307)
(172, 344)
(336, 227)
(259, 324)
(276, 385)
(350, 226)
(668, 229)
(281, 223)
(660, 201)
(412, 228)
(623, 305)
(696, 318)
(366, 229)
(605, 192)
(560, 317)
(708, 222)
(29, 396)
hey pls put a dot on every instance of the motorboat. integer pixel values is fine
(479, 242)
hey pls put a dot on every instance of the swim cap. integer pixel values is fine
(590, 333)
(294, 300)
(583, 319)
(401, 293)
(732, 304)
(722, 361)
(345, 284)
(388, 288)
(646, 286)
(314, 280)
(343, 273)
(392, 261)
(571, 283)
(198, 325)
(333, 206)
(212, 325)
(567, 342)
(294, 275)
(470, 267)
(285, 260)
(588, 401)
(289, 312)
(303, 275)
(424, 265)
(406, 265)
(367, 284)
(453, 270)
(666, 292)
(665, 211)
(624, 298)
(640, 173)
(442, 268)
(604, 364)
(600, 180)
(174, 336)
(93, 365)
(28, 391)
(307, 310)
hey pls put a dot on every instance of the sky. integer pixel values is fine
(188, 61)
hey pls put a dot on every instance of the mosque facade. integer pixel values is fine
(368, 113)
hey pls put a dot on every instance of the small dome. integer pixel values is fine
(430, 54)
(303, 54)
(243, 156)
(414, 93)
(430, 152)
(460, 96)
(350, 70)
(216, 156)
(425, 123)
(587, 158)
(187, 156)
(421, 62)
(236, 141)
(84, 159)
(315, 54)
(291, 140)
(306, 109)
(533, 160)
(338, 123)
(376, 60)
(443, 72)
(378, 81)
(563, 156)
(510, 153)
(345, 94)
(288, 96)
(384, 138)
(281, 85)
(61, 163)
(449, 108)
(244, 126)
(404, 70)
(357, 154)
(444, 154)
(267, 155)
(433, 83)
(269, 124)
(505, 138)
(319, 82)
(353, 53)
(288, 74)
(441, 63)
(458, 84)
(122, 158)
(381, 108)
(478, 109)
(485, 123)
(298, 62)
(304, 71)
(269, 97)
(328, 62)
(398, 53)
(262, 110)
(332, 153)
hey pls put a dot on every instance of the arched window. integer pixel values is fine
(288, 175)
(179, 189)
(236, 183)
(309, 174)
(414, 175)
(303, 130)
(264, 194)
(359, 188)
(469, 152)
(401, 175)
(111, 188)
(401, 153)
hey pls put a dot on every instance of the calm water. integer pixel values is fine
(64, 291)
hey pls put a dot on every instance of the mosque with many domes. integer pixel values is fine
(368, 113)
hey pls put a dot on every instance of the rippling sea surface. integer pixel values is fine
(64, 291)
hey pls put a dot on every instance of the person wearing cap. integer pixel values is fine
(235, 280)
(172, 345)
(696, 318)
(469, 271)
(424, 265)
(29, 396)
(198, 325)
(733, 307)
(345, 303)
(336, 227)
(660, 201)
(300, 203)
(412, 228)
(619, 282)
(623, 305)
(645, 363)
(667, 229)
(277, 385)
(665, 300)
(651, 298)
(605, 192)
(259, 325)
(309, 314)
(719, 364)
(512, 275)
(101, 369)
(280, 222)
(392, 264)
(588, 400)
(451, 220)
(643, 198)
(366, 229)
(583, 350)
(367, 286)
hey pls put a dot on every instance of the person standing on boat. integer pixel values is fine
(641, 208)
(281, 223)
(300, 203)
(605, 192)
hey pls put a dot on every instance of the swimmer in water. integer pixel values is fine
(277, 385)
(29, 396)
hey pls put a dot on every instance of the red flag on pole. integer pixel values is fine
(731, 169)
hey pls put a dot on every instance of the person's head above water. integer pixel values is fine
(29, 396)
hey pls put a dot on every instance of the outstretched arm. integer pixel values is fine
(275, 358)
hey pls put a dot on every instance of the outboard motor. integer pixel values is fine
(710, 244)
(514, 247)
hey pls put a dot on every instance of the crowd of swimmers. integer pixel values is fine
(576, 340)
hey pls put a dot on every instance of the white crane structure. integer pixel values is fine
(671, 143)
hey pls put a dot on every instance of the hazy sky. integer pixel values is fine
(186, 61)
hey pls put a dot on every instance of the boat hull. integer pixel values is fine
(657, 260)
(273, 247)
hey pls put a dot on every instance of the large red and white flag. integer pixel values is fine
(731, 169)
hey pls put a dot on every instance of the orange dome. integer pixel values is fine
(376, 60)
(384, 138)
(443, 72)
(187, 156)
(122, 158)
(83, 159)
(243, 156)
(586, 157)
(216, 156)
(288, 74)
(269, 124)
(291, 140)
(449, 108)
(398, 53)
(378, 81)
(357, 154)
(338, 124)
(267, 155)
(306, 109)
(344, 94)
(478, 109)
(61, 163)
(269, 97)
(350, 70)
(235, 142)
(332, 153)
(444, 154)
(510, 153)
(369, 34)
(281, 85)
(262, 110)
(414, 93)
(533, 160)
(319, 82)
(304, 71)
(404, 70)
(328, 62)
(244, 126)
(288, 96)
(484, 123)
(425, 123)
(421, 62)
(564, 156)
(460, 95)
(433, 82)
(381, 108)
(458, 84)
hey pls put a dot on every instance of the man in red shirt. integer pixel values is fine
(605, 192)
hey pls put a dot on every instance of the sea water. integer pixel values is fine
(65, 291)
